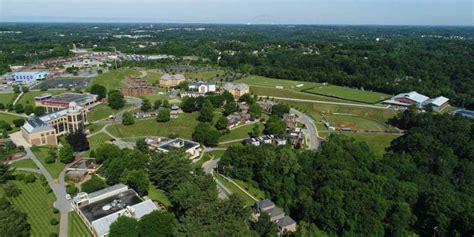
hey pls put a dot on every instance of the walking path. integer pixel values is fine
(14, 114)
(18, 98)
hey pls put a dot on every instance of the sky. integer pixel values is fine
(352, 12)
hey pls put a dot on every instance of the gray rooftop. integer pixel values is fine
(107, 206)
(106, 190)
(285, 221)
(265, 203)
(35, 125)
(172, 77)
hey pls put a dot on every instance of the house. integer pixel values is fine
(296, 137)
(234, 120)
(266, 105)
(168, 80)
(26, 77)
(253, 141)
(175, 111)
(237, 90)
(193, 149)
(53, 103)
(98, 210)
(408, 99)
(290, 120)
(438, 104)
(44, 130)
(279, 141)
(284, 223)
(202, 87)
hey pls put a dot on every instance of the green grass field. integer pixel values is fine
(238, 133)
(54, 168)
(103, 111)
(288, 93)
(235, 190)
(38, 205)
(158, 195)
(98, 139)
(153, 77)
(204, 75)
(377, 142)
(113, 79)
(29, 98)
(183, 127)
(349, 93)
(7, 98)
(76, 226)
(272, 82)
(9, 117)
(93, 127)
(27, 163)
(252, 189)
(359, 123)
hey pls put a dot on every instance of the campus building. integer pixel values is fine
(54, 103)
(414, 98)
(44, 130)
(193, 149)
(29, 76)
(237, 90)
(98, 210)
(168, 80)
(202, 87)
(284, 223)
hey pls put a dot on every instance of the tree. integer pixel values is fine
(66, 154)
(169, 170)
(188, 104)
(206, 134)
(228, 97)
(275, 126)
(166, 104)
(141, 145)
(256, 132)
(106, 152)
(6, 126)
(98, 90)
(163, 115)
(222, 123)
(230, 108)
(28, 109)
(78, 141)
(116, 99)
(206, 114)
(247, 98)
(157, 224)
(18, 122)
(12, 221)
(146, 105)
(157, 104)
(264, 226)
(280, 109)
(16, 89)
(25, 89)
(93, 184)
(19, 108)
(2, 106)
(183, 85)
(127, 118)
(39, 111)
(137, 180)
(124, 227)
(11, 190)
(255, 111)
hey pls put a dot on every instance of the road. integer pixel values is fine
(312, 132)
(329, 102)
(208, 168)
(59, 190)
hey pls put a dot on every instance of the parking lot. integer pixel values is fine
(64, 83)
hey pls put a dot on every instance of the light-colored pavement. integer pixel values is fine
(18, 139)
(14, 114)
(312, 132)
(18, 98)
(329, 102)
(208, 168)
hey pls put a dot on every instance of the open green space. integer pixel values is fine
(251, 188)
(239, 132)
(54, 168)
(183, 126)
(9, 117)
(113, 79)
(7, 98)
(288, 93)
(235, 190)
(103, 111)
(76, 226)
(94, 127)
(26, 163)
(280, 83)
(364, 124)
(158, 195)
(98, 139)
(153, 77)
(203, 75)
(37, 203)
(153, 97)
(377, 142)
(348, 93)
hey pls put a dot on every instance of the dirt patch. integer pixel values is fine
(342, 124)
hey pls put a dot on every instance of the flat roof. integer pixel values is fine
(35, 124)
(70, 97)
(170, 145)
(110, 205)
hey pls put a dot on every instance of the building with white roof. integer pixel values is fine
(26, 77)
(202, 87)
(438, 103)
(98, 210)
(419, 100)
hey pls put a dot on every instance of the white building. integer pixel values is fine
(202, 87)
(419, 100)
(29, 76)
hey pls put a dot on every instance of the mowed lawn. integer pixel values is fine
(103, 111)
(113, 79)
(38, 205)
(280, 83)
(158, 195)
(27, 163)
(98, 139)
(364, 124)
(76, 226)
(203, 75)
(54, 168)
(377, 142)
(349, 93)
(9, 117)
(239, 133)
(29, 97)
(7, 98)
(153, 77)
(183, 126)
(289, 93)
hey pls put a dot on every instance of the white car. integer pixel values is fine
(68, 197)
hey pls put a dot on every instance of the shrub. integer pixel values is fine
(71, 189)
(30, 178)
(55, 210)
(54, 221)
(50, 159)
(11, 190)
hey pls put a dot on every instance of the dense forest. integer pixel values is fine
(432, 60)
(424, 184)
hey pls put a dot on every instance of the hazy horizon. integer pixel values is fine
(307, 12)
